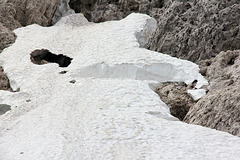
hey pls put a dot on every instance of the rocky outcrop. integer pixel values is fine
(197, 30)
(176, 97)
(27, 12)
(18, 13)
(105, 10)
(7, 37)
(220, 108)
(4, 82)
(63, 9)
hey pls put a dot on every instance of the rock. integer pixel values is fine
(85, 7)
(176, 97)
(197, 29)
(7, 37)
(18, 13)
(63, 9)
(4, 82)
(105, 10)
(220, 108)
(37, 11)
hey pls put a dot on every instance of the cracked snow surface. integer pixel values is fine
(102, 106)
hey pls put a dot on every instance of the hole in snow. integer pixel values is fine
(4, 108)
(44, 56)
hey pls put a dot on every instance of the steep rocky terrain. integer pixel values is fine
(105, 10)
(195, 30)
(198, 30)
(220, 109)
(18, 13)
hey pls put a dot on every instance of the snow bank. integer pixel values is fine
(101, 105)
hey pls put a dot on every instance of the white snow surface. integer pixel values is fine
(196, 94)
(110, 112)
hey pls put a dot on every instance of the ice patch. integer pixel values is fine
(196, 94)
(4, 108)
(160, 72)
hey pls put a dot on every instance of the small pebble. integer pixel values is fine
(73, 81)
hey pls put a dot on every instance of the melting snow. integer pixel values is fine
(101, 106)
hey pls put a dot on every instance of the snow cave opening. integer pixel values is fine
(44, 56)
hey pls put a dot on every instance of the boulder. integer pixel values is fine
(63, 9)
(176, 97)
(29, 12)
(4, 82)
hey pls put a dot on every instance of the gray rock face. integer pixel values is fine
(18, 13)
(4, 82)
(105, 10)
(29, 12)
(176, 97)
(63, 9)
(7, 37)
(198, 30)
(220, 108)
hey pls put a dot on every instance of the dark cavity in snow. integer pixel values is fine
(4, 108)
(44, 56)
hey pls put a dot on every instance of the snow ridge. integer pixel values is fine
(101, 105)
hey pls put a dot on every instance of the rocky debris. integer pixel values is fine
(18, 13)
(105, 10)
(7, 37)
(220, 108)
(197, 29)
(176, 97)
(85, 7)
(4, 82)
(27, 12)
